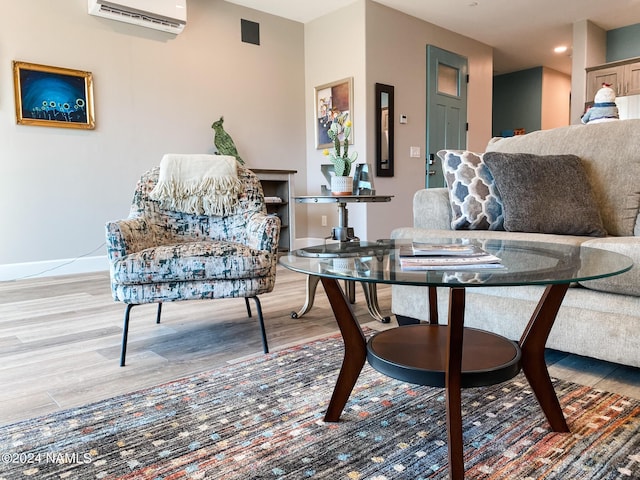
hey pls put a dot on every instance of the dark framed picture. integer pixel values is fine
(53, 96)
(331, 100)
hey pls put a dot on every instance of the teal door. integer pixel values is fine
(446, 109)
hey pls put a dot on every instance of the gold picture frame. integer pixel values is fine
(53, 96)
(331, 100)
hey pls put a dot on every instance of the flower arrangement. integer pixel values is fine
(340, 158)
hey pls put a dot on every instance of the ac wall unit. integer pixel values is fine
(166, 15)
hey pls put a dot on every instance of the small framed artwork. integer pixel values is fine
(53, 96)
(332, 100)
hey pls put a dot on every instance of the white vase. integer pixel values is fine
(341, 185)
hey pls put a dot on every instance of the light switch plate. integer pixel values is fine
(414, 152)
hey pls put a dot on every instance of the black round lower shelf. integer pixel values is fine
(417, 354)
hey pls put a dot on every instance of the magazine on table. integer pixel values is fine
(448, 249)
(424, 256)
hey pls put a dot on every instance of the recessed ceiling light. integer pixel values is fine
(560, 49)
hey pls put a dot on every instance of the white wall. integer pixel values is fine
(157, 93)
(381, 45)
(334, 50)
(589, 49)
(154, 93)
(396, 55)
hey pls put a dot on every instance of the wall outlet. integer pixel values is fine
(324, 220)
(414, 152)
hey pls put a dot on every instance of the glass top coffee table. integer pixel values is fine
(434, 354)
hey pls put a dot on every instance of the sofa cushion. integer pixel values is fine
(627, 283)
(475, 204)
(609, 152)
(545, 194)
(189, 261)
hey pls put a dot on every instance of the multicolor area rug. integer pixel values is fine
(262, 419)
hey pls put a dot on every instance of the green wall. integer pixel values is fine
(517, 101)
(623, 43)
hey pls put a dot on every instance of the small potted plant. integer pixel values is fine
(341, 182)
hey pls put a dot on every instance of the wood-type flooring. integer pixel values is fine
(60, 340)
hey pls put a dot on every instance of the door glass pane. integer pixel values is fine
(448, 80)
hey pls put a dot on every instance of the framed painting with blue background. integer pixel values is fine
(53, 96)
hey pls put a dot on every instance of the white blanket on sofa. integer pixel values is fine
(198, 184)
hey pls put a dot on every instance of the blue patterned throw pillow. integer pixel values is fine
(475, 201)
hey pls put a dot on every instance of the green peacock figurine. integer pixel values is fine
(224, 142)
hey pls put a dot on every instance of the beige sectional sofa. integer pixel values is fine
(599, 319)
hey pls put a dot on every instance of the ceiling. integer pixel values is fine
(523, 33)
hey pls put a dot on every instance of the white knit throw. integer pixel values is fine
(197, 184)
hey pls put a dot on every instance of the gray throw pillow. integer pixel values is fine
(545, 194)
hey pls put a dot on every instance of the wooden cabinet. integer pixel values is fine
(278, 188)
(595, 79)
(624, 77)
(632, 78)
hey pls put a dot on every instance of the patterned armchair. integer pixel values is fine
(158, 255)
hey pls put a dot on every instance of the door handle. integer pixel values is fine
(431, 172)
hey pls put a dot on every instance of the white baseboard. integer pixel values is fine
(49, 268)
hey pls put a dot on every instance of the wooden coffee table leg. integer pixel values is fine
(453, 384)
(433, 305)
(355, 349)
(533, 343)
